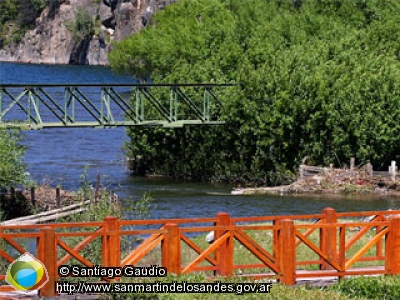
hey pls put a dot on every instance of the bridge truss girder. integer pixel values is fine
(102, 105)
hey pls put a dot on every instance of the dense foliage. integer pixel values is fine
(321, 79)
(12, 168)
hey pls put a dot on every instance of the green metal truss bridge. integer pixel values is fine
(38, 106)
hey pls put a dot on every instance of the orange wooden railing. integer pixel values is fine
(287, 234)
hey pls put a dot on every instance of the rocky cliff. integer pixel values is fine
(81, 31)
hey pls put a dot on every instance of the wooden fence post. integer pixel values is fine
(275, 242)
(393, 171)
(331, 170)
(33, 197)
(49, 255)
(328, 237)
(105, 250)
(224, 254)
(370, 171)
(58, 197)
(352, 167)
(287, 249)
(111, 243)
(171, 249)
(39, 247)
(379, 244)
(301, 171)
(96, 191)
(392, 263)
(342, 249)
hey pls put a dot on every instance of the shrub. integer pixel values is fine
(137, 210)
(319, 80)
(82, 26)
(12, 167)
(28, 11)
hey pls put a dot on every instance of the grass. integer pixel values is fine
(374, 288)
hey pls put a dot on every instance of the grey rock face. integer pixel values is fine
(111, 3)
(52, 42)
(106, 16)
(125, 20)
(98, 51)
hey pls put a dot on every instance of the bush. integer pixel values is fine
(82, 26)
(28, 11)
(16, 17)
(319, 80)
(12, 167)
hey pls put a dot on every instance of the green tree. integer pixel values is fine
(12, 167)
(16, 17)
(28, 11)
(320, 80)
(82, 26)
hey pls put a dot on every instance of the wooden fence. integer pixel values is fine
(365, 173)
(285, 248)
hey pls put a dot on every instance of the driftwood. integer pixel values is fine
(50, 215)
(330, 180)
(261, 190)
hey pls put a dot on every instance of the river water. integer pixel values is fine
(59, 156)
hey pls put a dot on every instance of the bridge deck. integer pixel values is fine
(177, 124)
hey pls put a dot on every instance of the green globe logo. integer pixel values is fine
(27, 273)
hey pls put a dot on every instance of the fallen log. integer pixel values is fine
(47, 215)
(261, 190)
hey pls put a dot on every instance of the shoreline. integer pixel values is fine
(301, 187)
(50, 63)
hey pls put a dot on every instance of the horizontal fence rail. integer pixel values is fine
(37, 106)
(285, 248)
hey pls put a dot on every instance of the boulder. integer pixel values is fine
(124, 20)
